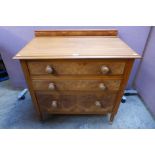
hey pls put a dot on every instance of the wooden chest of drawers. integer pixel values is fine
(76, 71)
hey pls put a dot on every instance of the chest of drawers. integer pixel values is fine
(76, 71)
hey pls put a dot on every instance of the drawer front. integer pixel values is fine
(76, 85)
(76, 103)
(76, 67)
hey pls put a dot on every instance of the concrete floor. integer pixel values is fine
(21, 114)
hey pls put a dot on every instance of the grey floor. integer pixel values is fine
(21, 114)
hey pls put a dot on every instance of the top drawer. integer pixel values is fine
(76, 67)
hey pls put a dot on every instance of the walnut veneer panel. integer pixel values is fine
(76, 67)
(76, 103)
(76, 85)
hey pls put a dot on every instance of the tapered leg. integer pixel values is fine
(110, 118)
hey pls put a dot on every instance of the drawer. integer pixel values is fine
(76, 85)
(76, 67)
(76, 103)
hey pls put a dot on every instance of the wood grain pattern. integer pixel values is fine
(29, 82)
(76, 67)
(87, 32)
(77, 103)
(74, 59)
(76, 85)
(76, 47)
(128, 69)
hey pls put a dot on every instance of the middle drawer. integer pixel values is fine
(76, 85)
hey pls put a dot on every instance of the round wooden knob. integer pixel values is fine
(104, 69)
(51, 86)
(102, 86)
(49, 69)
(54, 104)
(98, 104)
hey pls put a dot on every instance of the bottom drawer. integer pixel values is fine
(76, 103)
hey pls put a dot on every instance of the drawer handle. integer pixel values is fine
(49, 69)
(102, 86)
(105, 69)
(98, 103)
(51, 86)
(54, 104)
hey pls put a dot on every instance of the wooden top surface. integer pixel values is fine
(70, 47)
